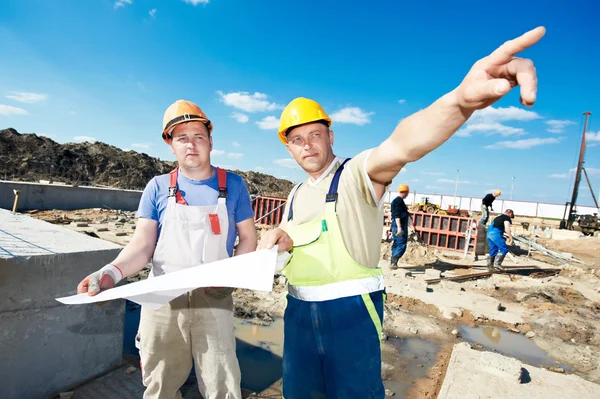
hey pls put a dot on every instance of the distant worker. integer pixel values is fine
(400, 217)
(333, 221)
(188, 217)
(495, 237)
(486, 206)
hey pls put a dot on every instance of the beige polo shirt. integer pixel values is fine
(360, 212)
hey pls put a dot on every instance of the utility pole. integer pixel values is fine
(456, 188)
(571, 218)
(512, 187)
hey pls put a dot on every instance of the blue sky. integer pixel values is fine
(107, 70)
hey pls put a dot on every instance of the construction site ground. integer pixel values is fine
(543, 312)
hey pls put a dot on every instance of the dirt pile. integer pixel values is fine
(416, 254)
(28, 157)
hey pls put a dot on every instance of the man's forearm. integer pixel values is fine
(416, 136)
(245, 246)
(429, 128)
(133, 257)
(398, 224)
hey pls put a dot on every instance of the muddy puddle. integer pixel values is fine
(509, 344)
(412, 360)
(260, 351)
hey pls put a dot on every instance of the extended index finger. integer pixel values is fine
(508, 50)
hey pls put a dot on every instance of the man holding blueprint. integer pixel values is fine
(188, 217)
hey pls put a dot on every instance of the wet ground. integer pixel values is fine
(260, 351)
(509, 344)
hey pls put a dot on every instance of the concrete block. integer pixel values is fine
(417, 285)
(432, 274)
(47, 347)
(566, 234)
(101, 229)
(475, 374)
(43, 196)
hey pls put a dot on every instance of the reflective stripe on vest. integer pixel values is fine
(321, 268)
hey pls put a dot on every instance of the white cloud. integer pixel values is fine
(487, 120)
(522, 144)
(238, 116)
(122, 3)
(590, 172)
(235, 155)
(79, 139)
(560, 175)
(8, 110)
(196, 2)
(141, 145)
(26, 97)
(556, 126)
(217, 153)
(415, 180)
(259, 168)
(268, 123)
(433, 173)
(591, 136)
(286, 163)
(490, 128)
(401, 101)
(236, 144)
(152, 13)
(449, 181)
(245, 101)
(353, 115)
(491, 114)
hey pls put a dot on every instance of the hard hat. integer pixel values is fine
(497, 192)
(183, 111)
(298, 112)
(403, 188)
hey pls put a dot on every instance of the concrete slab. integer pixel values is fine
(475, 374)
(22, 235)
(40, 339)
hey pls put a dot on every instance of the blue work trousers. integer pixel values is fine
(496, 241)
(332, 348)
(400, 242)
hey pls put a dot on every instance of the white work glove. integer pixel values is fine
(96, 281)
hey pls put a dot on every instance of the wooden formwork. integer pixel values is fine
(268, 211)
(444, 231)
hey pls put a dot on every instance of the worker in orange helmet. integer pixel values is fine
(333, 221)
(188, 217)
(400, 217)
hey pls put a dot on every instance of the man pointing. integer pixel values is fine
(333, 220)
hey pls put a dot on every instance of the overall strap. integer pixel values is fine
(291, 210)
(333, 188)
(173, 190)
(222, 177)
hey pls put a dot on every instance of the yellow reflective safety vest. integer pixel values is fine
(321, 268)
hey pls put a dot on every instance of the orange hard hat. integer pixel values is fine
(403, 188)
(497, 193)
(183, 111)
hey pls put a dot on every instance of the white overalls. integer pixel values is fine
(198, 325)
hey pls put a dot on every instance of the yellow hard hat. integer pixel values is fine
(298, 112)
(183, 111)
(497, 192)
(403, 188)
